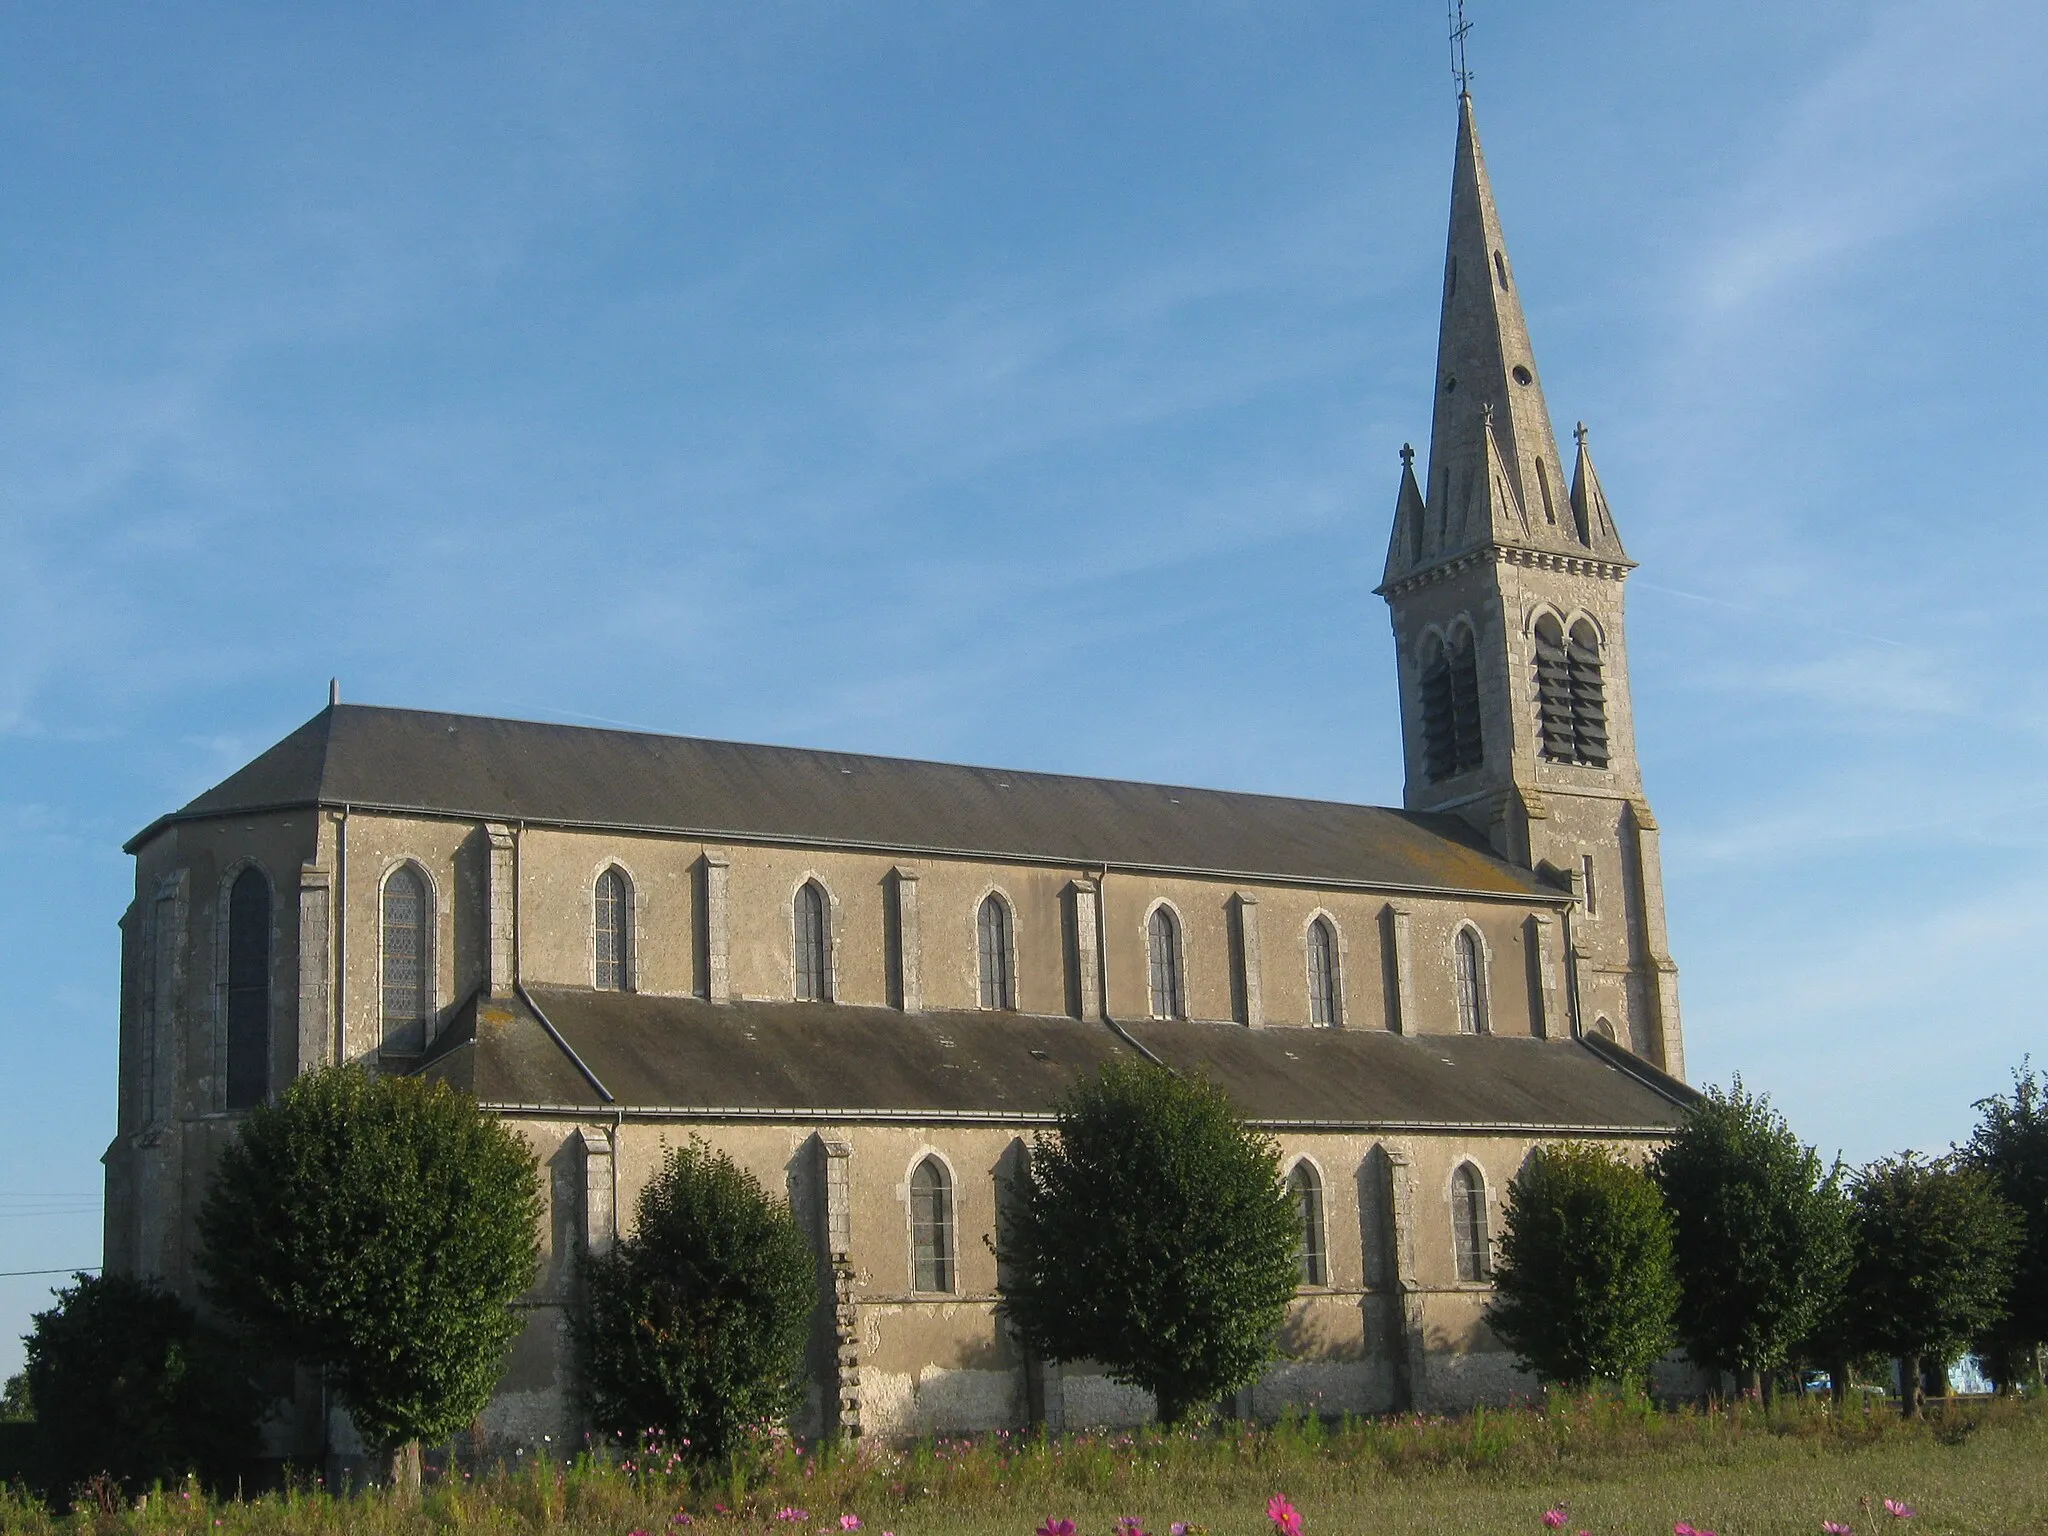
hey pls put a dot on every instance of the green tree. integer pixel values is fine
(17, 1404)
(1586, 1287)
(1760, 1234)
(126, 1381)
(379, 1228)
(1151, 1233)
(2011, 1145)
(697, 1323)
(1935, 1246)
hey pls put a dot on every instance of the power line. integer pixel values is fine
(75, 1269)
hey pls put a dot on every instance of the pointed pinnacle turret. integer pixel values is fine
(1591, 520)
(1495, 474)
(1411, 518)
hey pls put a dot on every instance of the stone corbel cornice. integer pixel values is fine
(1508, 554)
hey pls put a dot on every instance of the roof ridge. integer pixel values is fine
(648, 734)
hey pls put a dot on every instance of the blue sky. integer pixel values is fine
(1023, 385)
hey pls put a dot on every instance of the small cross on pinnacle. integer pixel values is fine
(1407, 456)
(1579, 434)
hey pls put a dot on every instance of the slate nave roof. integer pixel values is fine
(483, 768)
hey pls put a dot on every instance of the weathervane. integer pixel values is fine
(1459, 27)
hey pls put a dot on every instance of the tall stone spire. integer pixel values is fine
(1495, 474)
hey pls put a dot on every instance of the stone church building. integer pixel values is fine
(868, 978)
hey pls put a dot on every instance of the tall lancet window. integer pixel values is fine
(248, 989)
(1468, 1225)
(1468, 961)
(1305, 1190)
(612, 932)
(992, 934)
(1322, 974)
(1162, 938)
(931, 1227)
(813, 945)
(1571, 696)
(1451, 742)
(408, 918)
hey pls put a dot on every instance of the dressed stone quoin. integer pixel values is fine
(868, 979)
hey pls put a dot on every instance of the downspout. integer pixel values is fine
(1571, 978)
(341, 939)
(1102, 973)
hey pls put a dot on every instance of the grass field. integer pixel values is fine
(1612, 1468)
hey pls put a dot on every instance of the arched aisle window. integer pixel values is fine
(931, 1227)
(1306, 1191)
(248, 1019)
(407, 933)
(1469, 961)
(992, 931)
(1468, 1224)
(613, 931)
(813, 945)
(1162, 938)
(1323, 1003)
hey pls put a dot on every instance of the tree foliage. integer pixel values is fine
(697, 1323)
(378, 1227)
(1760, 1233)
(126, 1381)
(2010, 1144)
(1585, 1287)
(1934, 1252)
(1151, 1234)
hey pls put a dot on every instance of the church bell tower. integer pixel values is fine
(1505, 584)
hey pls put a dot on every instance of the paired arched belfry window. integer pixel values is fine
(1162, 939)
(1468, 962)
(1468, 1224)
(813, 944)
(1571, 698)
(1305, 1190)
(992, 935)
(931, 1227)
(248, 1000)
(1450, 706)
(1323, 1005)
(408, 917)
(612, 931)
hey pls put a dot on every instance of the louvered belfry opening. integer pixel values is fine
(1451, 741)
(1571, 697)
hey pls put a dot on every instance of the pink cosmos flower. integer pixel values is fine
(791, 1512)
(1128, 1525)
(1898, 1509)
(1836, 1528)
(1553, 1518)
(681, 1517)
(849, 1522)
(1051, 1527)
(1285, 1517)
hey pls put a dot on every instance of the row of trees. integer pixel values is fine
(1739, 1244)
(379, 1231)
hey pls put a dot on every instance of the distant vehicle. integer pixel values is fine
(1814, 1382)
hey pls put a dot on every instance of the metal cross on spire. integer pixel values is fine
(1459, 27)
